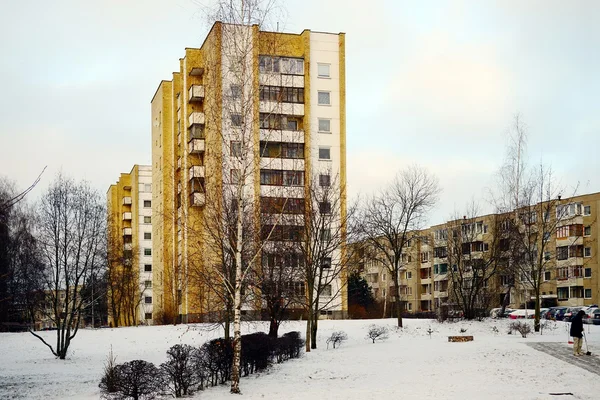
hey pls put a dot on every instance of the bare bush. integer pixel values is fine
(522, 327)
(138, 379)
(179, 371)
(377, 332)
(337, 338)
(110, 379)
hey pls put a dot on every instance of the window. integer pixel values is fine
(587, 210)
(147, 267)
(324, 125)
(293, 178)
(147, 252)
(147, 235)
(547, 255)
(147, 219)
(587, 252)
(588, 293)
(148, 284)
(284, 65)
(323, 70)
(324, 98)
(587, 231)
(562, 293)
(409, 306)
(236, 119)
(235, 148)
(148, 299)
(562, 273)
(325, 235)
(324, 153)
(506, 280)
(236, 91)
(325, 207)
(408, 275)
(326, 262)
(281, 94)
(562, 253)
(547, 275)
(562, 232)
(326, 291)
(148, 315)
(324, 180)
(292, 125)
(147, 187)
(588, 273)
(234, 175)
(147, 203)
(576, 271)
(425, 257)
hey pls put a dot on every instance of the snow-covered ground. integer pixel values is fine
(410, 364)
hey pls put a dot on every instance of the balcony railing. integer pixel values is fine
(126, 200)
(197, 171)
(196, 146)
(127, 231)
(197, 199)
(196, 93)
(126, 216)
(196, 118)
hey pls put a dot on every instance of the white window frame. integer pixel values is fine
(324, 76)
(587, 252)
(319, 97)
(587, 210)
(585, 291)
(328, 120)
(328, 148)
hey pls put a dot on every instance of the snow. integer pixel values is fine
(410, 364)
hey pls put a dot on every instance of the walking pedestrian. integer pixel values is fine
(577, 332)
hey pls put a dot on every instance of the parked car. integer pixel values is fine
(495, 312)
(589, 314)
(556, 313)
(597, 317)
(521, 314)
(572, 311)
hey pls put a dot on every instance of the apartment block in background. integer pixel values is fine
(298, 81)
(130, 248)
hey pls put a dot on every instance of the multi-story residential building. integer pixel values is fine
(434, 257)
(277, 97)
(130, 248)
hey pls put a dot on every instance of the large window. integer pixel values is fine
(324, 180)
(562, 293)
(282, 150)
(281, 94)
(283, 65)
(279, 121)
(281, 178)
(147, 252)
(324, 125)
(562, 253)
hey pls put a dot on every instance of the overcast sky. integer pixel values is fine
(434, 83)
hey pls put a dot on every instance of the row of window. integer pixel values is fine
(282, 150)
(290, 66)
(276, 177)
(281, 94)
(564, 252)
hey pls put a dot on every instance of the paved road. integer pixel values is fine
(564, 352)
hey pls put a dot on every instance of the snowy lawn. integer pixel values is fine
(410, 364)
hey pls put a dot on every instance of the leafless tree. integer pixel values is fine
(71, 224)
(328, 226)
(393, 217)
(533, 198)
(477, 248)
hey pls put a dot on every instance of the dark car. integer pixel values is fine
(556, 313)
(571, 312)
(596, 320)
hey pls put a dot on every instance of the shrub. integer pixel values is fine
(138, 379)
(288, 346)
(337, 338)
(522, 327)
(214, 361)
(179, 371)
(377, 332)
(257, 352)
(110, 379)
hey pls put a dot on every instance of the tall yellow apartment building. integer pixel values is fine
(130, 298)
(298, 133)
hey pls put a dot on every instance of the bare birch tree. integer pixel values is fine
(394, 216)
(71, 227)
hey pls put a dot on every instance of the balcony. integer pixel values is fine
(128, 246)
(127, 201)
(426, 281)
(426, 296)
(127, 231)
(273, 107)
(567, 282)
(197, 171)
(197, 71)
(440, 294)
(196, 93)
(197, 199)
(126, 216)
(196, 146)
(282, 135)
(196, 118)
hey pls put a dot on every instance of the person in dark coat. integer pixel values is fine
(577, 332)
